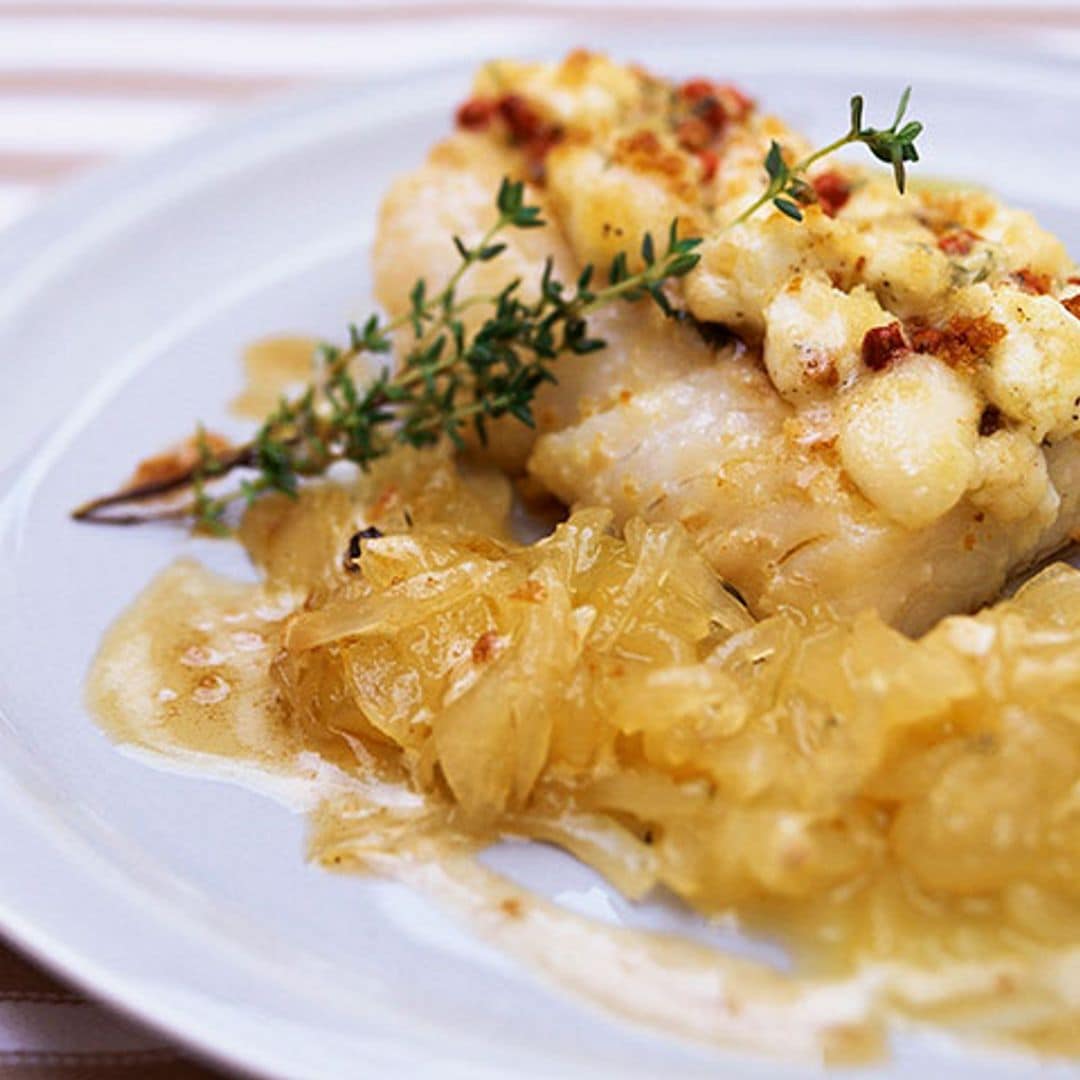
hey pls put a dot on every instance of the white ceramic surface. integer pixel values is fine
(123, 307)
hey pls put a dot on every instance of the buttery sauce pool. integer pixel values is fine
(183, 674)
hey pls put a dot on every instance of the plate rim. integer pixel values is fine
(24, 813)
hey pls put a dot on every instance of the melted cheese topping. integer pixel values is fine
(628, 160)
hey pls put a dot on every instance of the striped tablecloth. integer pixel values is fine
(85, 82)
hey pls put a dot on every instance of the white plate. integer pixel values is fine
(123, 307)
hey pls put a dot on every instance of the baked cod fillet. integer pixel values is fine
(876, 407)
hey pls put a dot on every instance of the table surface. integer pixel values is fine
(87, 82)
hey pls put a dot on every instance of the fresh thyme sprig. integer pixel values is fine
(448, 381)
(788, 190)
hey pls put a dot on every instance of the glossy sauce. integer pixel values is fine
(183, 674)
(273, 367)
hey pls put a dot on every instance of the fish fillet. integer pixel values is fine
(876, 407)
